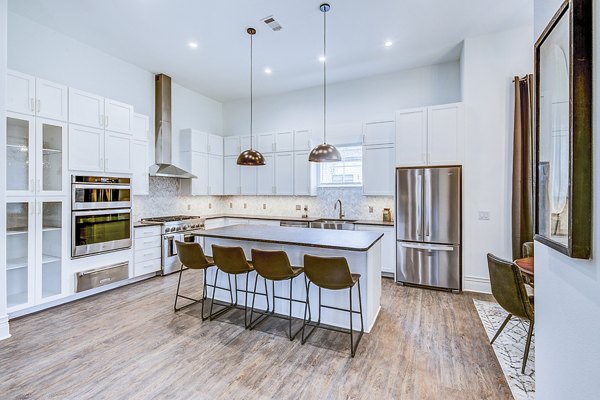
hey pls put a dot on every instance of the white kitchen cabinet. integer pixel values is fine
(265, 142)
(236, 221)
(139, 159)
(411, 137)
(20, 93)
(231, 146)
(37, 248)
(430, 136)
(215, 145)
(36, 156)
(51, 100)
(388, 246)
(193, 140)
(284, 141)
(147, 247)
(248, 179)
(231, 176)
(215, 175)
(245, 143)
(141, 127)
(118, 116)
(284, 174)
(265, 176)
(34, 96)
(445, 134)
(378, 170)
(305, 175)
(117, 152)
(197, 164)
(303, 140)
(86, 149)
(86, 109)
(379, 132)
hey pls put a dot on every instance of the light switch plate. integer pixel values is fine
(230, 205)
(245, 205)
(298, 207)
(371, 209)
(264, 206)
(484, 215)
(209, 205)
(189, 207)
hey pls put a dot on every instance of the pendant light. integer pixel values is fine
(325, 152)
(251, 157)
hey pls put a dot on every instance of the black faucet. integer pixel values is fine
(341, 209)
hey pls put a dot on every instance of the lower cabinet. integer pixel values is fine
(36, 250)
(147, 247)
(388, 246)
(214, 223)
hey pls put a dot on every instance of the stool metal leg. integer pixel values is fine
(254, 323)
(193, 301)
(527, 345)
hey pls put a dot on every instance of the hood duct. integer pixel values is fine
(164, 135)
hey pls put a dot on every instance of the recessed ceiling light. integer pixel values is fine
(268, 70)
(193, 45)
(388, 43)
(322, 58)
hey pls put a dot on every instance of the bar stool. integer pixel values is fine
(232, 261)
(331, 273)
(192, 257)
(274, 266)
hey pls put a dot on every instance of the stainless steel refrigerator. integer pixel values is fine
(428, 227)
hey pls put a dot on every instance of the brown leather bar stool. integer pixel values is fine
(331, 273)
(192, 257)
(232, 261)
(274, 266)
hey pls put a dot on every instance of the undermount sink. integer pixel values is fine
(338, 224)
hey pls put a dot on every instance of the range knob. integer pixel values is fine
(186, 227)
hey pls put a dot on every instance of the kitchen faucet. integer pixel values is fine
(341, 209)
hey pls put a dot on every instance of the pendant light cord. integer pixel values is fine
(325, 77)
(251, 92)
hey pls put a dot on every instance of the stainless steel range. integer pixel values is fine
(175, 228)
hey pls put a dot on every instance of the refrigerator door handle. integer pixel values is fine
(427, 204)
(429, 247)
(419, 204)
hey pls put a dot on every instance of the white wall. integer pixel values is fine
(38, 50)
(353, 101)
(4, 333)
(567, 291)
(489, 64)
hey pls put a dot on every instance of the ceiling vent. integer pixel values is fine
(272, 23)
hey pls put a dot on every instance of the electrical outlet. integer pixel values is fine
(484, 215)
(189, 207)
(245, 205)
(209, 205)
(230, 205)
(264, 206)
(298, 207)
(371, 209)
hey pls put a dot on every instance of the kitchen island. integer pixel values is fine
(361, 249)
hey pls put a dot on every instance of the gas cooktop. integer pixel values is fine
(173, 218)
(178, 223)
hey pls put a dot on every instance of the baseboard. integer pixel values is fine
(476, 284)
(4, 332)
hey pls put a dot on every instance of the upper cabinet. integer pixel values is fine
(202, 155)
(95, 111)
(379, 157)
(284, 141)
(265, 142)
(140, 181)
(231, 175)
(231, 146)
(303, 140)
(215, 145)
(141, 127)
(33, 96)
(379, 132)
(430, 135)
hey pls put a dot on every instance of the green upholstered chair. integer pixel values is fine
(274, 265)
(192, 257)
(332, 273)
(509, 291)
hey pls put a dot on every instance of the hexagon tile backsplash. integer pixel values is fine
(165, 199)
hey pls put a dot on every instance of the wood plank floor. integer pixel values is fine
(129, 344)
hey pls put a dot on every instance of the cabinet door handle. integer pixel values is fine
(39, 105)
(32, 104)
(106, 125)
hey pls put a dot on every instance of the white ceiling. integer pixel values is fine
(154, 35)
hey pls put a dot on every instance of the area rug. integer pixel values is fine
(509, 348)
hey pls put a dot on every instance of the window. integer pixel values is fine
(347, 172)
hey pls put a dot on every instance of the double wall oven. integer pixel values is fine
(101, 215)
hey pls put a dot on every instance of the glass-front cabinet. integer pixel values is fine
(36, 156)
(36, 246)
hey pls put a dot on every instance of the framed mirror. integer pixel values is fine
(563, 121)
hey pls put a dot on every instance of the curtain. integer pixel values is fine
(522, 177)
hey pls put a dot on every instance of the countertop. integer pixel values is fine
(325, 238)
(140, 224)
(309, 219)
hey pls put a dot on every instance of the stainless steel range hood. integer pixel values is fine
(164, 135)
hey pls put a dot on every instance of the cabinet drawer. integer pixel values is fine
(144, 243)
(146, 267)
(148, 254)
(146, 231)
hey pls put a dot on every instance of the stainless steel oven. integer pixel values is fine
(100, 214)
(99, 192)
(171, 261)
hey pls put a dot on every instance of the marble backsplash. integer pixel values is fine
(165, 199)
